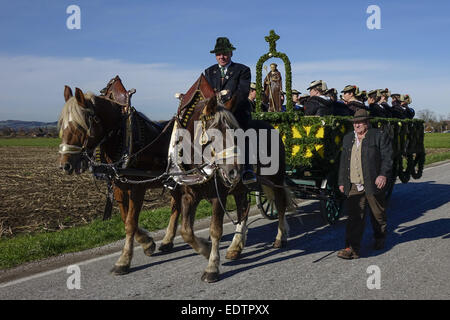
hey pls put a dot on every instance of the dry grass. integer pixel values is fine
(35, 195)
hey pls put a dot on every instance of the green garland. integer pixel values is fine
(316, 142)
(273, 53)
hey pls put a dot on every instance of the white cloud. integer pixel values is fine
(32, 87)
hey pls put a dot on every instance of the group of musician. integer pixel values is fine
(322, 101)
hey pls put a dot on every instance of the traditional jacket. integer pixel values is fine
(355, 105)
(398, 111)
(318, 106)
(377, 110)
(376, 159)
(409, 112)
(387, 107)
(236, 82)
(341, 109)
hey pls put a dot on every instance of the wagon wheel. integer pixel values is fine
(266, 207)
(332, 207)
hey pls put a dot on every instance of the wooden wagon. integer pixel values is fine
(313, 146)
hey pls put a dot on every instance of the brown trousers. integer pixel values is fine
(356, 206)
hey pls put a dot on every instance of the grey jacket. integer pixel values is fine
(376, 158)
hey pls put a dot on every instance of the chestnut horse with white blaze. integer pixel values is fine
(216, 185)
(88, 121)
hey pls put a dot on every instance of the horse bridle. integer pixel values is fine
(65, 148)
(223, 155)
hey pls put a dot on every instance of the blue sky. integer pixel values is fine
(161, 47)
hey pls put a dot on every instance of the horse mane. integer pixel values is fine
(72, 112)
(223, 115)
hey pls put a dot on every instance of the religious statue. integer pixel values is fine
(273, 89)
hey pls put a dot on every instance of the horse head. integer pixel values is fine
(211, 127)
(84, 122)
(216, 117)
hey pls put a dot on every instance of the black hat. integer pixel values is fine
(223, 45)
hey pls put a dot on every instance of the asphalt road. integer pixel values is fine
(414, 265)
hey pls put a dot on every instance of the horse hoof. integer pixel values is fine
(120, 270)
(210, 277)
(149, 251)
(233, 255)
(166, 247)
(280, 244)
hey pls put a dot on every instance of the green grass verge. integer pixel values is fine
(436, 157)
(32, 247)
(437, 140)
(30, 142)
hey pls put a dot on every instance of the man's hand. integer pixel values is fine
(341, 189)
(380, 182)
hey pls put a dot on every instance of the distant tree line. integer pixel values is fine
(51, 132)
(434, 122)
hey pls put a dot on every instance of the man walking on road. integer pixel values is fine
(365, 165)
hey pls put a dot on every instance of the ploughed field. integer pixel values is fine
(36, 196)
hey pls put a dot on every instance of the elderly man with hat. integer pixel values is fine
(232, 79)
(365, 165)
(318, 103)
(350, 97)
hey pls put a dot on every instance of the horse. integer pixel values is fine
(116, 91)
(88, 121)
(213, 114)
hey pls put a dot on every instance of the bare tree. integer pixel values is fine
(427, 115)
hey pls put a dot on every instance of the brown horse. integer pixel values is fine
(116, 91)
(211, 113)
(88, 121)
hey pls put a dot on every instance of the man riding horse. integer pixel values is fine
(230, 79)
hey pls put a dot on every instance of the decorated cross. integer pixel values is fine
(272, 38)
